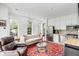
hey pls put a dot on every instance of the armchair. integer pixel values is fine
(8, 45)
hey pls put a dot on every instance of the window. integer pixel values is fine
(13, 28)
(43, 28)
(29, 28)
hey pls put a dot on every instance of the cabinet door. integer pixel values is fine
(74, 19)
(57, 24)
(56, 38)
(68, 20)
(62, 23)
(71, 19)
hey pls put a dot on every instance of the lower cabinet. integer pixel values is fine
(59, 38)
(71, 50)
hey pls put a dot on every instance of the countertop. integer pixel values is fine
(72, 41)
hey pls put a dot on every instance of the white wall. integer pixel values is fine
(37, 27)
(34, 27)
(4, 16)
(22, 24)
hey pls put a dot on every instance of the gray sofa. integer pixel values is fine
(8, 44)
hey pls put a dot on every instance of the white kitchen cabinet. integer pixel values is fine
(59, 38)
(57, 24)
(74, 19)
(60, 23)
(56, 38)
(71, 19)
(62, 38)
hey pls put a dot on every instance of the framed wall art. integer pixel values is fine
(2, 23)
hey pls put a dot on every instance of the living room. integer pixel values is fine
(39, 29)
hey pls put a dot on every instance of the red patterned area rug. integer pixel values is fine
(53, 49)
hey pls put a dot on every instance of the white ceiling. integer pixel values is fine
(48, 10)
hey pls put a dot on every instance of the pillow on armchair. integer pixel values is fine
(6, 40)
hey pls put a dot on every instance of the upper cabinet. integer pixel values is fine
(60, 23)
(72, 19)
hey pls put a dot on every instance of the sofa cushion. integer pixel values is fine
(9, 46)
(6, 40)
